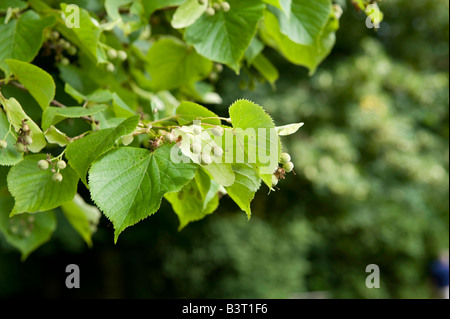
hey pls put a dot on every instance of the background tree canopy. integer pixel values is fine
(371, 162)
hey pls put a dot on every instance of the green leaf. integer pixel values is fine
(121, 109)
(278, 4)
(288, 129)
(9, 155)
(245, 186)
(187, 112)
(151, 6)
(305, 20)
(225, 36)
(55, 136)
(203, 92)
(255, 48)
(266, 68)
(188, 13)
(5, 4)
(309, 56)
(86, 37)
(54, 115)
(195, 200)
(255, 137)
(15, 115)
(26, 232)
(222, 173)
(173, 64)
(34, 189)
(82, 216)
(112, 7)
(39, 83)
(127, 184)
(22, 38)
(81, 153)
(3, 173)
(74, 93)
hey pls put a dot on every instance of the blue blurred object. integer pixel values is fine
(440, 273)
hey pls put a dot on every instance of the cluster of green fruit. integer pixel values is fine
(60, 45)
(114, 54)
(57, 165)
(215, 7)
(21, 225)
(204, 153)
(214, 75)
(287, 167)
(197, 143)
(24, 139)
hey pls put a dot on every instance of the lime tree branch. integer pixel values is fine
(53, 102)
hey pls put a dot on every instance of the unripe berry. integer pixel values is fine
(225, 6)
(196, 148)
(27, 139)
(20, 147)
(206, 159)
(274, 180)
(112, 54)
(3, 144)
(197, 130)
(61, 164)
(288, 167)
(210, 12)
(14, 229)
(122, 55)
(213, 76)
(25, 127)
(110, 67)
(217, 151)
(72, 50)
(57, 177)
(43, 165)
(217, 131)
(65, 61)
(218, 67)
(216, 6)
(285, 158)
(169, 137)
(54, 35)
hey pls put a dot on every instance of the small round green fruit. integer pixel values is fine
(57, 177)
(61, 164)
(43, 164)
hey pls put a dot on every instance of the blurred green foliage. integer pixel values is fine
(371, 186)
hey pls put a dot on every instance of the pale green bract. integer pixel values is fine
(16, 115)
(82, 216)
(195, 200)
